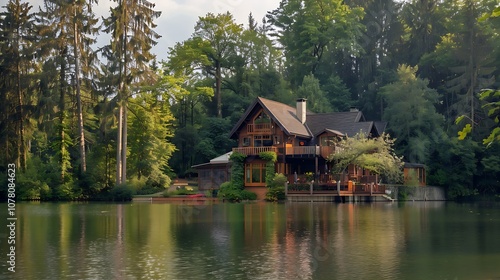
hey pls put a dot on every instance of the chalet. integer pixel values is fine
(302, 140)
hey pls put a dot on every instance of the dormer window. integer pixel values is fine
(262, 118)
(261, 124)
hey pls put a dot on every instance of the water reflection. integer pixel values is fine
(256, 241)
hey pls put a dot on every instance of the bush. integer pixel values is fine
(405, 191)
(232, 193)
(121, 192)
(166, 193)
(277, 188)
(279, 180)
(157, 180)
(248, 195)
(276, 194)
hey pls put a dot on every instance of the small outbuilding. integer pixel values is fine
(414, 174)
(212, 174)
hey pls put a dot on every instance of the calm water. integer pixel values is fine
(425, 240)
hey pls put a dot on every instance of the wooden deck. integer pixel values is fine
(330, 191)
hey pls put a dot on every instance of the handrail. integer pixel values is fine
(254, 150)
(259, 127)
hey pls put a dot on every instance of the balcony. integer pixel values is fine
(302, 151)
(259, 128)
(252, 151)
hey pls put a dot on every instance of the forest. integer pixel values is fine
(84, 122)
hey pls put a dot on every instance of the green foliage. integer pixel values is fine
(270, 158)
(237, 170)
(233, 193)
(276, 194)
(316, 98)
(412, 180)
(374, 154)
(312, 31)
(156, 182)
(211, 48)
(150, 131)
(337, 94)
(405, 191)
(123, 192)
(248, 195)
(338, 53)
(492, 106)
(411, 115)
(180, 191)
(279, 180)
(32, 185)
(453, 166)
(276, 189)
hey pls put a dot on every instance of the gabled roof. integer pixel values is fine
(284, 115)
(340, 123)
(220, 160)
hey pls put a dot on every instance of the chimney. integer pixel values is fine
(301, 110)
(353, 109)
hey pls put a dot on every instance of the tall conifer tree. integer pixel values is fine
(131, 25)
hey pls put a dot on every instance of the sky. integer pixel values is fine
(179, 17)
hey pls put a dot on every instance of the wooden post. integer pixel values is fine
(286, 188)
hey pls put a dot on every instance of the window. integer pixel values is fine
(255, 173)
(262, 118)
(277, 139)
(246, 141)
(262, 140)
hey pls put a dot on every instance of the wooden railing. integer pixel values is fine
(326, 183)
(302, 150)
(254, 150)
(343, 189)
(255, 128)
(323, 151)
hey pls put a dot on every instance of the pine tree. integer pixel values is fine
(16, 66)
(131, 27)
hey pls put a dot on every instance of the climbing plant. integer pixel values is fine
(270, 158)
(237, 169)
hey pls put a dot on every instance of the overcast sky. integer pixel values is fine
(179, 17)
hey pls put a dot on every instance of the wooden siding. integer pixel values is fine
(211, 177)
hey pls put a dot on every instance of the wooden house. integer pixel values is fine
(302, 140)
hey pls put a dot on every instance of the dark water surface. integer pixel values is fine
(416, 240)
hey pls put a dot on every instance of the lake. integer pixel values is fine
(140, 240)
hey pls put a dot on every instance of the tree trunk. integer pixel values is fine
(62, 107)
(218, 82)
(119, 146)
(83, 161)
(124, 144)
(21, 151)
